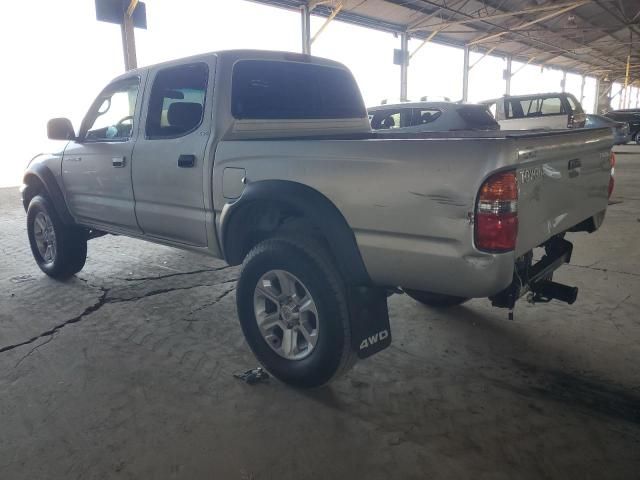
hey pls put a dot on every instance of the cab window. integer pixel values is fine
(111, 117)
(534, 107)
(422, 116)
(274, 90)
(386, 119)
(176, 104)
(574, 104)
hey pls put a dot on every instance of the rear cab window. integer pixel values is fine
(272, 90)
(477, 116)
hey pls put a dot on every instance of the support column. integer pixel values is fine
(563, 82)
(404, 66)
(584, 79)
(507, 77)
(128, 43)
(305, 15)
(465, 75)
(603, 96)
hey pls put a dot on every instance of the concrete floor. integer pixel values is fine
(125, 372)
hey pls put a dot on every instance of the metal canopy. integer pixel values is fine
(592, 37)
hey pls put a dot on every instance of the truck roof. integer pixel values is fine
(234, 55)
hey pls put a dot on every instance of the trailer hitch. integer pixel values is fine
(546, 290)
(535, 280)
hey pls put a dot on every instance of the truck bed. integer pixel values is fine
(410, 199)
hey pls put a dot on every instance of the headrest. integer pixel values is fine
(388, 122)
(184, 115)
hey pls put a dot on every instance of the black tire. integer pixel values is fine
(435, 300)
(70, 241)
(309, 262)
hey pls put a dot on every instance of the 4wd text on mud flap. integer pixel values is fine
(373, 339)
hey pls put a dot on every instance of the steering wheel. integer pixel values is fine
(128, 118)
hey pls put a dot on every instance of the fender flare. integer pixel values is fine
(52, 189)
(312, 205)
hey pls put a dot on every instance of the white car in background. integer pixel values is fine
(431, 117)
(551, 111)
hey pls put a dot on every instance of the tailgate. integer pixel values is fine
(563, 179)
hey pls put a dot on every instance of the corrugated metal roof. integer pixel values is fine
(585, 36)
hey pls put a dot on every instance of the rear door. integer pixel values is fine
(96, 168)
(168, 160)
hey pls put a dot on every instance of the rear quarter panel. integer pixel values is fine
(408, 201)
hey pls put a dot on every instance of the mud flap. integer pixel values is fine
(370, 329)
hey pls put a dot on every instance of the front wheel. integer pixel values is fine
(59, 250)
(292, 307)
(436, 300)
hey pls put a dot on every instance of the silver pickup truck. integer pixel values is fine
(266, 159)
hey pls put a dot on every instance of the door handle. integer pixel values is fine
(118, 162)
(186, 161)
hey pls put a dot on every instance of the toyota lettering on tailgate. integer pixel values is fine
(530, 174)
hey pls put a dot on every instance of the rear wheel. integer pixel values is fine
(293, 311)
(436, 300)
(59, 250)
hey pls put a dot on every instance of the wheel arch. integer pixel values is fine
(270, 206)
(39, 179)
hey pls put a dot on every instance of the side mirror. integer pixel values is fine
(60, 129)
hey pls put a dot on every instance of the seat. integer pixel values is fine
(388, 122)
(184, 116)
(425, 118)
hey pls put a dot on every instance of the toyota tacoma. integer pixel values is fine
(267, 160)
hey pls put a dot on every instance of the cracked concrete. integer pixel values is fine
(125, 371)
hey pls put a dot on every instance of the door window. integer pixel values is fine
(111, 118)
(385, 119)
(176, 104)
(551, 106)
(422, 116)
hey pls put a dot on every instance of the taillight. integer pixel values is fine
(612, 162)
(496, 218)
(570, 122)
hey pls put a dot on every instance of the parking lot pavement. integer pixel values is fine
(125, 371)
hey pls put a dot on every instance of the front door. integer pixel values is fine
(96, 168)
(168, 159)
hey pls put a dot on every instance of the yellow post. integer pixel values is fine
(626, 82)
